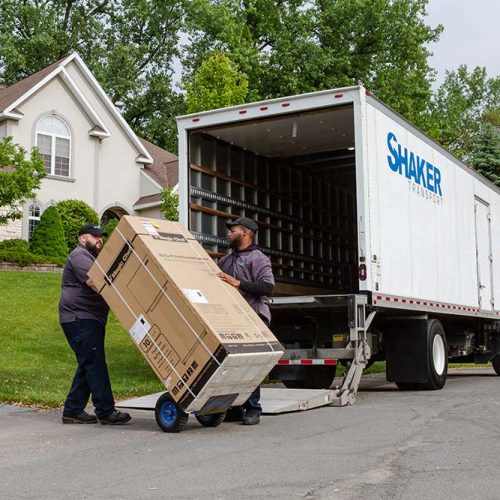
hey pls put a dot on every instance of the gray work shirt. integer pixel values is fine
(253, 269)
(79, 301)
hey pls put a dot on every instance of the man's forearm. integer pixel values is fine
(257, 287)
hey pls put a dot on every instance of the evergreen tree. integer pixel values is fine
(48, 238)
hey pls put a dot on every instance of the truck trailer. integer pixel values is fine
(383, 244)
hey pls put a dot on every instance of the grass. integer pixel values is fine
(36, 362)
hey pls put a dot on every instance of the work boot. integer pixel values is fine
(115, 418)
(251, 419)
(82, 418)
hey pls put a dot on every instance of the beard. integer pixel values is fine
(235, 243)
(92, 248)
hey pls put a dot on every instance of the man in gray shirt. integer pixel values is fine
(83, 314)
(250, 271)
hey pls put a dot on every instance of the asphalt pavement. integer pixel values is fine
(389, 445)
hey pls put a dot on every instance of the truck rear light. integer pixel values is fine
(286, 104)
(338, 95)
(196, 119)
(264, 108)
(243, 111)
(362, 272)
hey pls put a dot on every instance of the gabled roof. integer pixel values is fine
(14, 95)
(165, 167)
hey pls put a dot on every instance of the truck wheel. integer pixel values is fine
(407, 386)
(319, 377)
(495, 362)
(437, 355)
(169, 416)
(211, 420)
(293, 384)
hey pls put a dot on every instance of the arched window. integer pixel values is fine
(34, 213)
(53, 139)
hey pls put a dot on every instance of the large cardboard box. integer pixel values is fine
(199, 335)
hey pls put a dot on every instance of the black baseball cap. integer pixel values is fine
(245, 222)
(92, 229)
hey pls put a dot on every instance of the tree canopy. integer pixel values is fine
(20, 177)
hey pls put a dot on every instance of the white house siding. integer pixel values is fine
(118, 179)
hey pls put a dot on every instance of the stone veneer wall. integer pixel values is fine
(13, 229)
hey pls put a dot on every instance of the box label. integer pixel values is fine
(150, 228)
(140, 329)
(195, 296)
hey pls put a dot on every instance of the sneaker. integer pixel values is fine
(82, 418)
(115, 418)
(251, 419)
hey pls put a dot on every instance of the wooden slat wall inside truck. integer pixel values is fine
(305, 206)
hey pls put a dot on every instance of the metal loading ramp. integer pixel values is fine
(273, 400)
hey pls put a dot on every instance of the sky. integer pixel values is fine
(471, 35)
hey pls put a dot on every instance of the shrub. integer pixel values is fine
(109, 227)
(16, 245)
(26, 258)
(74, 215)
(48, 238)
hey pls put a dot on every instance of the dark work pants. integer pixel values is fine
(252, 405)
(86, 338)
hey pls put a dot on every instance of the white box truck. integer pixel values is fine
(382, 243)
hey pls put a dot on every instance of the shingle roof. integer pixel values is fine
(152, 198)
(165, 167)
(9, 95)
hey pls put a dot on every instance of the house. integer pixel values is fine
(90, 152)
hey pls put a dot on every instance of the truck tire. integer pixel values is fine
(313, 377)
(495, 362)
(407, 386)
(319, 377)
(437, 355)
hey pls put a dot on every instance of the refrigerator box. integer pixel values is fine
(198, 334)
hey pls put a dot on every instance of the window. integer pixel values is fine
(53, 138)
(34, 213)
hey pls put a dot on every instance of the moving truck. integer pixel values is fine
(383, 244)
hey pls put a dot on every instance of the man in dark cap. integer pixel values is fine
(83, 314)
(248, 270)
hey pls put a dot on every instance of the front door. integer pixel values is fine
(484, 258)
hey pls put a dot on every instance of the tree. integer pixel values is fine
(289, 46)
(74, 215)
(485, 154)
(217, 84)
(170, 205)
(129, 45)
(458, 108)
(20, 177)
(48, 238)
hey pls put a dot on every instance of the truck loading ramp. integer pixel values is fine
(273, 400)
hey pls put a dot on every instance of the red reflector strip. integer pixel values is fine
(243, 111)
(196, 119)
(338, 95)
(307, 362)
(264, 108)
(286, 104)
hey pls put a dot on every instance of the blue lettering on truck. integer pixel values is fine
(416, 169)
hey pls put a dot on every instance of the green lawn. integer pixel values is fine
(37, 364)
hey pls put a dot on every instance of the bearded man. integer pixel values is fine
(83, 315)
(248, 270)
